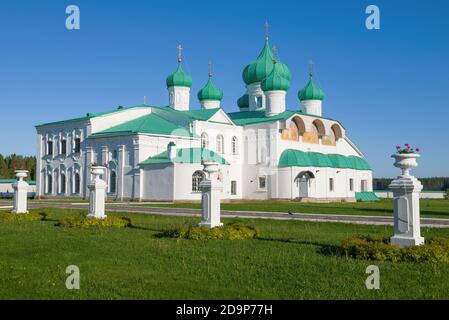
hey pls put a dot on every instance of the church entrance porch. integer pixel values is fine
(304, 181)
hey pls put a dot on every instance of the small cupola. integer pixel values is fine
(311, 96)
(178, 85)
(243, 102)
(210, 96)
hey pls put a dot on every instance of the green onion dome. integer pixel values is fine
(311, 91)
(243, 101)
(259, 69)
(275, 80)
(179, 78)
(210, 92)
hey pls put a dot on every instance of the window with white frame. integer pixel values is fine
(63, 146)
(234, 145)
(112, 182)
(197, 177)
(220, 144)
(204, 140)
(233, 187)
(77, 187)
(77, 148)
(49, 184)
(331, 184)
(50, 147)
(351, 184)
(62, 181)
(262, 183)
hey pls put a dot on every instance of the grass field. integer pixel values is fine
(430, 208)
(284, 262)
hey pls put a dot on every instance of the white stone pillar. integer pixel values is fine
(210, 196)
(406, 190)
(97, 193)
(20, 193)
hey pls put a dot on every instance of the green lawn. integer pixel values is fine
(434, 208)
(285, 262)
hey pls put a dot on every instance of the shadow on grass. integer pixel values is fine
(324, 249)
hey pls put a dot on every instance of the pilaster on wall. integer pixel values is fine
(137, 186)
(120, 170)
(87, 176)
(39, 180)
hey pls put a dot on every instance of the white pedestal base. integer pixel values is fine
(97, 195)
(210, 197)
(20, 187)
(407, 230)
(406, 241)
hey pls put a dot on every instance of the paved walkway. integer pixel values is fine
(374, 220)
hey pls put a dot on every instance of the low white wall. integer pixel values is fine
(423, 195)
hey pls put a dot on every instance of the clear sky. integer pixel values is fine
(387, 86)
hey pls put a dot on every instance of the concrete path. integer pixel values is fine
(374, 220)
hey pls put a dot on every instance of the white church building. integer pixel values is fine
(265, 150)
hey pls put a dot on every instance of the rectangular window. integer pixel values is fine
(233, 187)
(351, 184)
(262, 183)
(64, 147)
(77, 145)
(331, 184)
(50, 148)
(363, 186)
(259, 102)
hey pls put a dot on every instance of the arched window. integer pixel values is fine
(77, 183)
(220, 144)
(234, 145)
(197, 177)
(204, 140)
(49, 183)
(63, 183)
(112, 182)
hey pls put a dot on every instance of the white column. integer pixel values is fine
(210, 197)
(97, 194)
(406, 190)
(20, 193)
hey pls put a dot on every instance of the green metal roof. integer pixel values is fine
(30, 182)
(151, 124)
(199, 114)
(93, 115)
(252, 117)
(210, 92)
(186, 155)
(366, 196)
(297, 158)
(275, 80)
(311, 91)
(179, 78)
(259, 69)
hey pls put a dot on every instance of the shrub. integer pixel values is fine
(32, 216)
(232, 231)
(83, 222)
(367, 248)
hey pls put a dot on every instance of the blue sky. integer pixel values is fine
(387, 86)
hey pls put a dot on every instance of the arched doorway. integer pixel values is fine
(303, 181)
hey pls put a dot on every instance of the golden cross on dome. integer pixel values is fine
(310, 67)
(267, 26)
(179, 53)
(210, 68)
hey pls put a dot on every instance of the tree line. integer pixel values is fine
(15, 162)
(431, 184)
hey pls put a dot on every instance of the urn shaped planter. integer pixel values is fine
(405, 162)
(20, 192)
(210, 196)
